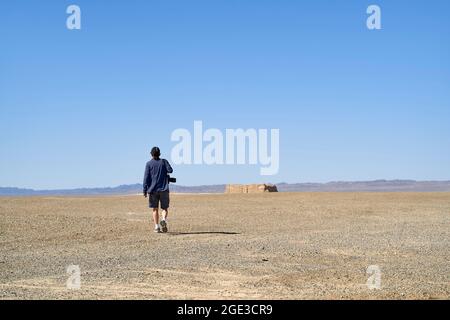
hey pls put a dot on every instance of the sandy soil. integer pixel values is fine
(279, 246)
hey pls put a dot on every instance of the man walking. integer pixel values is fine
(156, 185)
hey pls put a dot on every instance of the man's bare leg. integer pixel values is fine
(156, 218)
(165, 213)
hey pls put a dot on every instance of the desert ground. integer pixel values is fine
(252, 246)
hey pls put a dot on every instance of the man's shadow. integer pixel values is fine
(200, 232)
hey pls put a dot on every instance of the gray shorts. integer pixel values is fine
(159, 197)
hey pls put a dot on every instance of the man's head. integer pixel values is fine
(156, 153)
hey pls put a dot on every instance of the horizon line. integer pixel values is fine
(224, 184)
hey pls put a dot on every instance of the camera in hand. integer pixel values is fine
(172, 180)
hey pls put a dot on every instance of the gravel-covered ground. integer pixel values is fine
(279, 246)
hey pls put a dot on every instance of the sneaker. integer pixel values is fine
(163, 224)
(157, 230)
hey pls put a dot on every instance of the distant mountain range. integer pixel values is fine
(338, 186)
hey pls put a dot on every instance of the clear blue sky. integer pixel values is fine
(83, 108)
